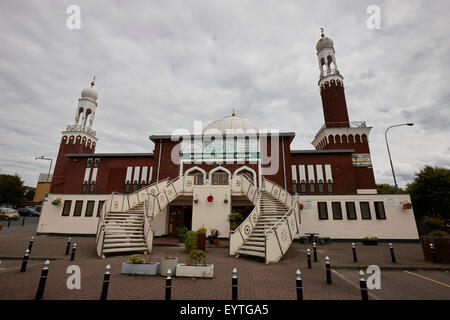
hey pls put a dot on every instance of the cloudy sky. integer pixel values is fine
(160, 65)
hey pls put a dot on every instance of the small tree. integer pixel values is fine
(190, 241)
(11, 189)
(385, 188)
(430, 192)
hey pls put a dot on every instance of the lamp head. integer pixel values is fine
(410, 124)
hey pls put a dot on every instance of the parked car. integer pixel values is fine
(38, 209)
(8, 213)
(28, 211)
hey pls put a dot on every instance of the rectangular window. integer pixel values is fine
(323, 210)
(365, 210)
(337, 211)
(66, 208)
(294, 187)
(320, 187)
(78, 208)
(89, 208)
(330, 187)
(100, 207)
(351, 210)
(379, 210)
(312, 187)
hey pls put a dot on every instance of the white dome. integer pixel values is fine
(232, 124)
(324, 42)
(89, 93)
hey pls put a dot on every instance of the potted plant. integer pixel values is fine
(56, 202)
(196, 266)
(438, 237)
(235, 219)
(201, 238)
(137, 264)
(301, 205)
(169, 261)
(407, 205)
(181, 231)
(213, 238)
(370, 241)
(190, 241)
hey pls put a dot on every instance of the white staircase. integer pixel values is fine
(270, 228)
(125, 231)
(272, 210)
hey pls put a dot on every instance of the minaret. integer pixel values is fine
(331, 84)
(338, 132)
(78, 137)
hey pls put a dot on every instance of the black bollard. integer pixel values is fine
(363, 286)
(433, 252)
(68, 246)
(315, 252)
(355, 258)
(298, 282)
(168, 285)
(234, 285)
(328, 269)
(30, 245)
(9, 222)
(41, 287)
(106, 278)
(25, 261)
(74, 249)
(392, 253)
(308, 256)
(23, 221)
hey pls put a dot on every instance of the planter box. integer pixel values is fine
(370, 242)
(181, 238)
(195, 271)
(142, 268)
(167, 264)
(441, 247)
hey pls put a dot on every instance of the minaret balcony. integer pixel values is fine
(80, 128)
(327, 73)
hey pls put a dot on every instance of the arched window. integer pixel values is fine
(127, 186)
(330, 139)
(312, 186)
(85, 185)
(330, 186)
(303, 186)
(198, 174)
(344, 139)
(320, 186)
(219, 178)
(92, 187)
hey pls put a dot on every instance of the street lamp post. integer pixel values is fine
(49, 169)
(389, 152)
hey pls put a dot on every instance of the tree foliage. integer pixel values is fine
(11, 189)
(430, 192)
(385, 188)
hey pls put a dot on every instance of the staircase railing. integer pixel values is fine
(102, 229)
(148, 231)
(243, 231)
(279, 237)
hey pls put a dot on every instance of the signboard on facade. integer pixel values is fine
(389, 202)
(361, 160)
(307, 204)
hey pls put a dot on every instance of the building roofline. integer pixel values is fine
(322, 151)
(169, 136)
(106, 155)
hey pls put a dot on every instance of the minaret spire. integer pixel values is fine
(93, 82)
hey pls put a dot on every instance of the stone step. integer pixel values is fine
(124, 240)
(127, 249)
(124, 236)
(252, 248)
(123, 245)
(255, 243)
(251, 253)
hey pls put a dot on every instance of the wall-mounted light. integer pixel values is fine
(196, 198)
(210, 198)
(226, 199)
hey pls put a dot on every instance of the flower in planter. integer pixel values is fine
(301, 206)
(197, 258)
(138, 259)
(407, 205)
(56, 202)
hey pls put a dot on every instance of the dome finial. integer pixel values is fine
(93, 82)
(233, 114)
(322, 34)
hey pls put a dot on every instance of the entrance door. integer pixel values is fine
(176, 220)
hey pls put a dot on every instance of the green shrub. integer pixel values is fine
(370, 238)
(201, 230)
(433, 222)
(439, 234)
(136, 259)
(235, 219)
(181, 230)
(190, 241)
(197, 258)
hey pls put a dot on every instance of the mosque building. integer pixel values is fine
(231, 166)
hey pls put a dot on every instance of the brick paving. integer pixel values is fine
(256, 280)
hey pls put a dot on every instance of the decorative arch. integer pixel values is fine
(350, 138)
(344, 138)
(243, 168)
(357, 138)
(337, 138)
(330, 139)
(219, 168)
(197, 179)
(364, 138)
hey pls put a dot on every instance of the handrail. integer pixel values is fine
(146, 221)
(103, 213)
(282, 219)
(148, 186)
